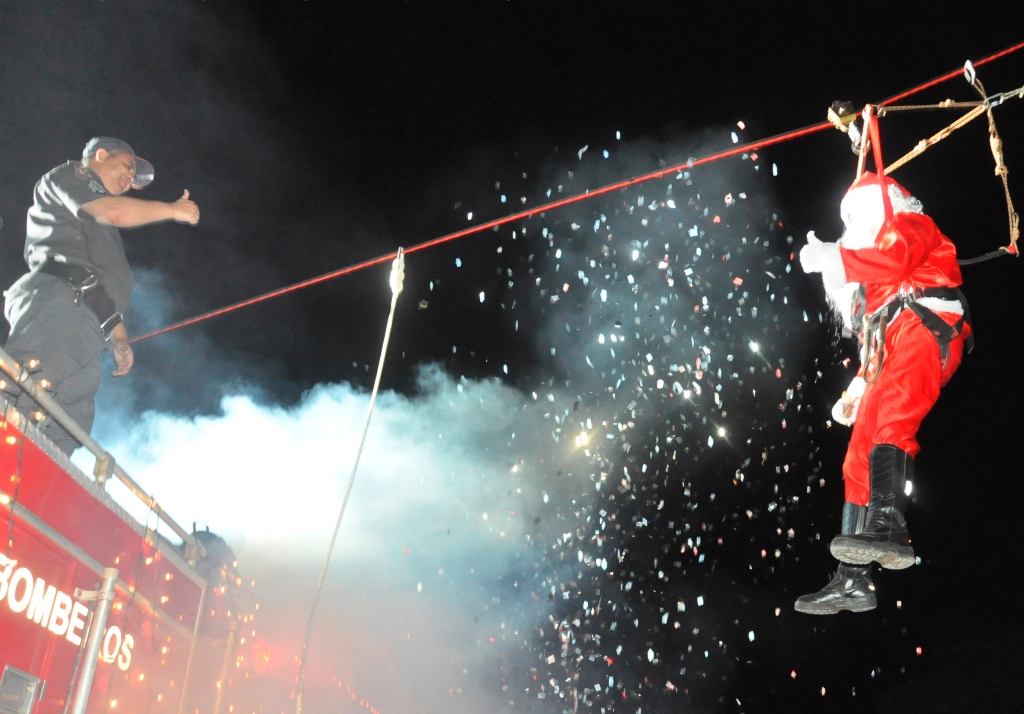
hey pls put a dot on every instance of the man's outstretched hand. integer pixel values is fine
(185, 210)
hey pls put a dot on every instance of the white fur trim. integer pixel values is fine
(843, 412)
(833, 273)
(863, 213)
(939, 305)
(856, 388)
(865, 203)
(862, 206)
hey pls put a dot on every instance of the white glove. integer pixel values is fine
(824, 258)
(811, 257)
(845, 410)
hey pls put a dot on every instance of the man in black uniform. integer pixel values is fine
(65, 310)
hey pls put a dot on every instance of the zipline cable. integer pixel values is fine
(527, 213)
(951, 75)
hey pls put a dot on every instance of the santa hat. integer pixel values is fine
(867, 202)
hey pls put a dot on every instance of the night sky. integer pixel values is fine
(493, 561)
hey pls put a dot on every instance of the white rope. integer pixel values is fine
(396, 280)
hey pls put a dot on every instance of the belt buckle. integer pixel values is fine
(909, 293)
(91, 281)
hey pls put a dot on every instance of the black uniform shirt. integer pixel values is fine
(57, 225)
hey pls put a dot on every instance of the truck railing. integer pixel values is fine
(127, 590)
(104, 466)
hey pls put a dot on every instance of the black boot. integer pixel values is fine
(850, 588)
(885, 538)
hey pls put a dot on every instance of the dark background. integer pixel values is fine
(317, 135)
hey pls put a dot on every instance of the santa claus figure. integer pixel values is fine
(893, 277)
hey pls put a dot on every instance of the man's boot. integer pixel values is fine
(884, 539)
(850, 588)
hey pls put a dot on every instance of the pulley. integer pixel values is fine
(843, 116)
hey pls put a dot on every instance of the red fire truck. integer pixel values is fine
(100, 612)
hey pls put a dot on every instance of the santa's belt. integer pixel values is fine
(88, 289)
(940, 299)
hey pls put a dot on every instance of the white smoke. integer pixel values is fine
(422, 600)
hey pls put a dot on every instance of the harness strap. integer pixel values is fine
(873, 141)
(874, 326)
(944, 332)
(995, 144)
(998, 253)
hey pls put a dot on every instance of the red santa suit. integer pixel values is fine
(893, 277)
(907, 259)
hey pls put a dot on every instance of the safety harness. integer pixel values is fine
(874, 325)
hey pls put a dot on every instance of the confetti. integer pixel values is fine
(677, 333)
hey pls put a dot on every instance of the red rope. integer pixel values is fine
(951, 75)
(777, 139)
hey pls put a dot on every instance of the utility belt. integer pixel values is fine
(944, 333)
(88, 289)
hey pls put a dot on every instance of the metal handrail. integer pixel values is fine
(105, 465)
(103, 597)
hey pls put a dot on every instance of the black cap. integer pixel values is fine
(144, 172)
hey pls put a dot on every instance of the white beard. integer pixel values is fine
(840, 302)
(858, 234)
